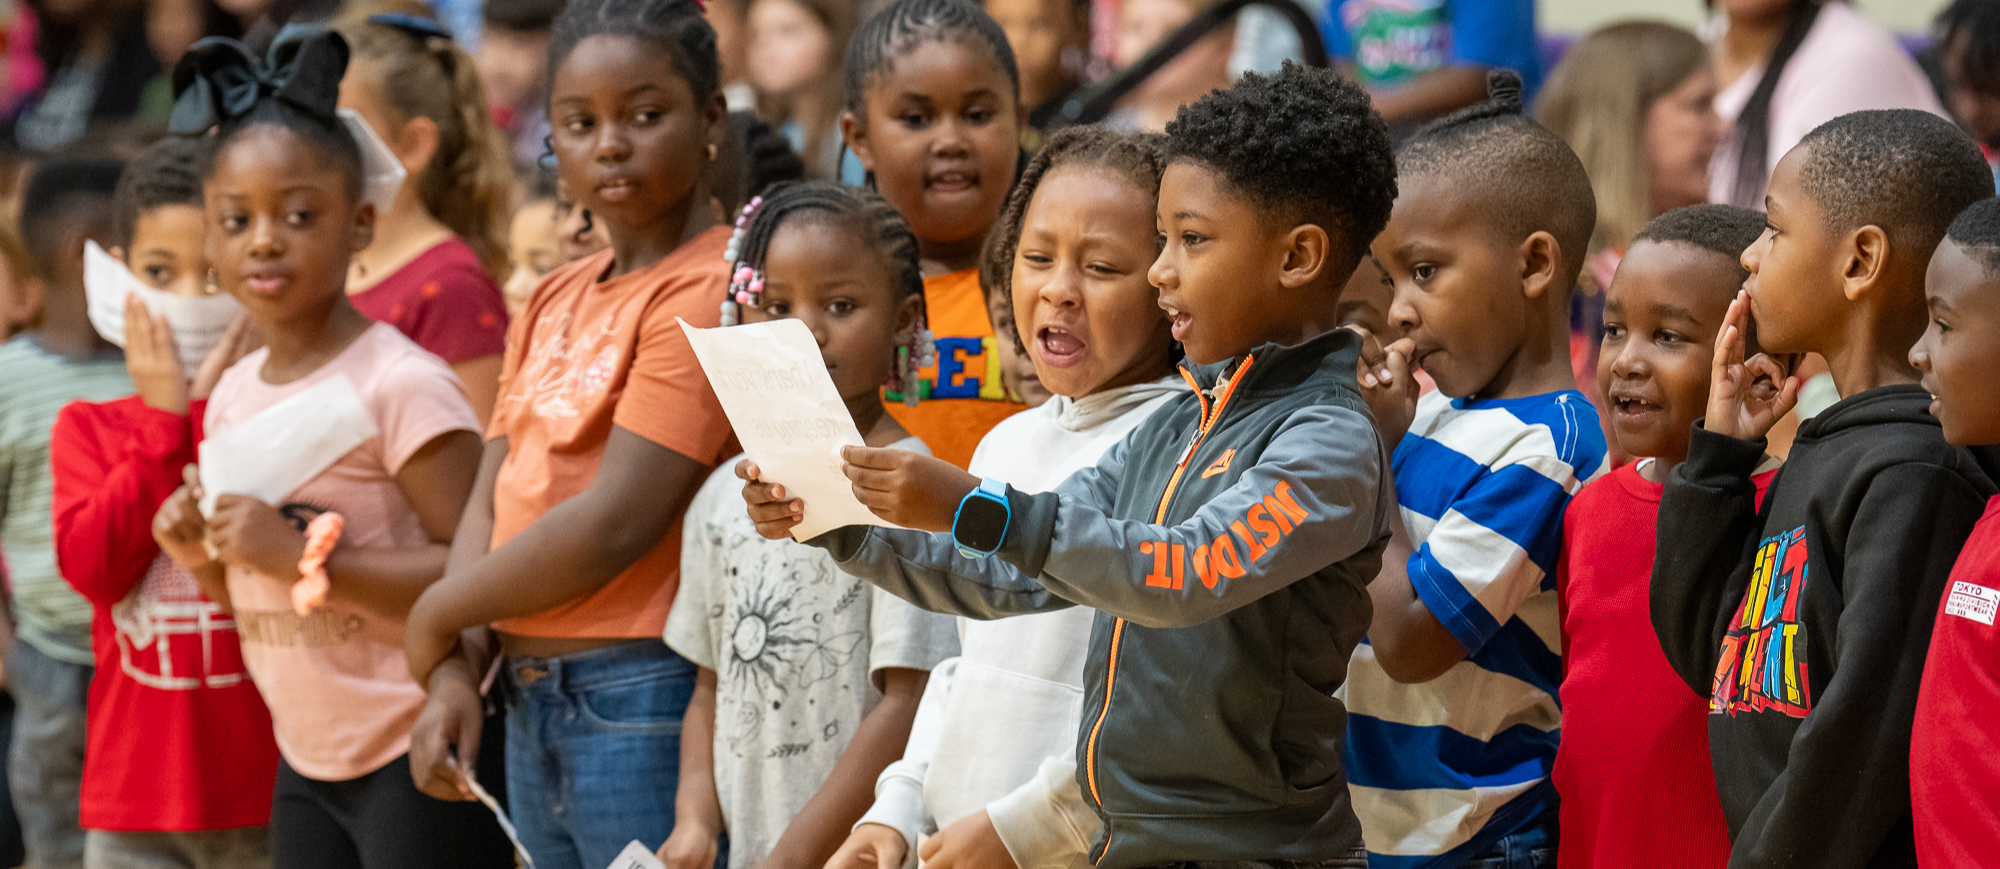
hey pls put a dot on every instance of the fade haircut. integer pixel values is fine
(1523, 178)
(1977, 230)
(1720, 229)
(1904, 170)
(167, 173)
(1302, 145)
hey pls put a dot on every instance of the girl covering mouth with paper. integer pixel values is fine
(842, 261)
(284, 214)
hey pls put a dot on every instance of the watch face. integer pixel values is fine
(982, 522)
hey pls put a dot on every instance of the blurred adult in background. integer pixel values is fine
(794, 59)
(1968, 53)
(1204, 66)
(1051, 42)
(1786, 66)
(513, 63)
(732, 46)
(101, 73)
(1421, 59)
(1635, 100)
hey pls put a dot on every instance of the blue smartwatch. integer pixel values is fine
(982, 520)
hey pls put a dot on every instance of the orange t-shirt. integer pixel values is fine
(962, 396)
(586, 355)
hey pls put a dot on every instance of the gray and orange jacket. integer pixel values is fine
(1227, 545)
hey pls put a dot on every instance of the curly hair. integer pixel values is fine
(1303, 145)
(1720, 229)
(1521, 177)
(673, 26)
(168, 172)
(1139, 157)
(904, 25)
(868, 214)
(1907, 171)
(1977, 229)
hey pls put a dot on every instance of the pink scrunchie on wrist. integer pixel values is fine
(311, 590)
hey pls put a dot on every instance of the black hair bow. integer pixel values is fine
(219, 79)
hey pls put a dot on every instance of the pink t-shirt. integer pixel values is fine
(342, 701)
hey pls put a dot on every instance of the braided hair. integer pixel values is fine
(1524, 178)
(673, 26)
(902, 26)
(1139, 157)
(419, 72)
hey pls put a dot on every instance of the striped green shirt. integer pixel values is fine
(34, 384)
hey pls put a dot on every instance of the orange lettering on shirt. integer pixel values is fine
(1257, 550)
(1277, 512)
(1260, 522)
(1158, 578)
(1226, 563)
(1202, 570)
(1180, 555)
(1290, 505)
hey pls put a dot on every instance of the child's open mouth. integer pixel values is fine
(1060, 348)
(1634, 408)
(952, 182)
(1178, 321)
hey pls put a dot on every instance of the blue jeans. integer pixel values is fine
(1531, 847)
(594, 750)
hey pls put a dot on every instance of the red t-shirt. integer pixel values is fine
(1955, 743)
(444, 300)
(1633, 769)
(178, 738)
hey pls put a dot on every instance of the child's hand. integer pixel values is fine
(1387, 385)
(969, 843)
(1741, 402)
(152, 361)
(688, 847)
(452, 717)
(236, 344)
(179, 528)
(870, 846)
(248, 532)
(769, 508)
(909, 489)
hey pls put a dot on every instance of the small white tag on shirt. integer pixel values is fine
(636, 856)
(1975, 602)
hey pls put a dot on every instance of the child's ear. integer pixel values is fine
(364, 227)
(1867, 257)
(1541, 259)
(416, 144)
(716, 115)
(908, 315)
(1306, 249)
(855, 134)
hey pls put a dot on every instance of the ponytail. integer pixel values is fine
(1753, 124)
(419, 71)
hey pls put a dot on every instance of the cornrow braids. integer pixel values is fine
(467, 183)
(168, 172)
(822, 201)
(1523, 177)
(673, 26)
(904, 25)
(1140, 157)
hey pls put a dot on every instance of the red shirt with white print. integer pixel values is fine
(1955, 743)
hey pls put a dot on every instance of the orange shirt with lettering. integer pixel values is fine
(588, 354)
(962, 396)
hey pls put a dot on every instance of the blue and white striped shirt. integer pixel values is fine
(1441, 769)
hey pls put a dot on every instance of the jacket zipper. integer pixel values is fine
(1209, 415)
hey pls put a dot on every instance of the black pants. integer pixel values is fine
(380, 821)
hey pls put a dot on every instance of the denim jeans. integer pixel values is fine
(45, 761)
(594, 750)
(1531, 847)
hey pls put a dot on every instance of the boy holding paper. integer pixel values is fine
(48, 664)
(170, 695)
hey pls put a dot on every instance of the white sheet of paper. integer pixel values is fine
(270, 455)
(636, 856)
(774, 387)
(198, 322)
(382, 174)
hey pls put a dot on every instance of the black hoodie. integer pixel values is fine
(1806, 621)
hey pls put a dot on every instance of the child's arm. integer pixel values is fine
(1846, 784)
(104, 510)
(435, 481)
(697, 808)
(1708, 526)
(887, 833)
(820, 827)
(1317, 496)
(571, 551)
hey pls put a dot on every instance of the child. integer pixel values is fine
(532, 249)
(1635, 740)
(933, 112)
(62, 360)
(606, 427)
(1805, 618)
(1017, 368)
(1051, 42)
(20, 289)
(1422, 60)
(1952, 764)
(170, 696)
(990, 758)
(811, 715)
(1209, 728)
(429, 271)
(1453, 696)
(1200, 68)
(283, 193)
